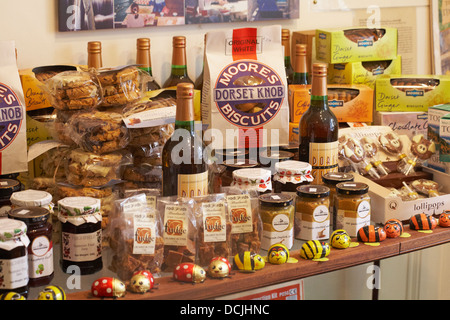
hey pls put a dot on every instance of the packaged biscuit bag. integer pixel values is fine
(244, 97)
(13, 140)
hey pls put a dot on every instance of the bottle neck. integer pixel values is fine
(179, 61)
(95, 60)
(319, 93)
(143, 61)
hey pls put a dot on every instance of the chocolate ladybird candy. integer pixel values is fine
(108, 287)
(189, 272)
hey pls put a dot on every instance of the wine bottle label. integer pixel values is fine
(193, 185)
(323, 158)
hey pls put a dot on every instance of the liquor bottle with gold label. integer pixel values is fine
(95, 55)
(300, 69)
(178, 73)
(185, 172)
(318, 128)
(286, 42)
(144, 62)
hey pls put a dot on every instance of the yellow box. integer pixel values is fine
(356, 44)
(35, 97)
(293, 132)
(363, 72)
(349, 103)
(411, 92)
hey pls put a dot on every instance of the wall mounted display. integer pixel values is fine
(77, 15)
(440, 17)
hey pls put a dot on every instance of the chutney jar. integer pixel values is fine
(291, 174)
(13, 256)
(81, 234)
(258, 179)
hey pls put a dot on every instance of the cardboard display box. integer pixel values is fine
(411, 92)
(304, 37)
(350, 103)
(435, 113)
(407, 123)
(356, 44)
(363, 72)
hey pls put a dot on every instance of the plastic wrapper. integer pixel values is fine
(421, 150)
(243, 209)
(98, 131)
(135, 234)
(180, 231)
(92, 170)
(142, 173)
(58, 128)
(426, 187)
(119, 86)
(73, 90)
(214, 228)
(371, 150)
(53, 163)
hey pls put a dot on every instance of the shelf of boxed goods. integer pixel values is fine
(168, 289)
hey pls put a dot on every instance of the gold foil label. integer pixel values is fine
(323, 158)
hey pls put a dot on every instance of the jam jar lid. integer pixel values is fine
(313, 191)
(276, 199)
(352, 188)
(253, 178)
(31, 198)
(8, 186)
(78, 210)
(280, 155)
(293, 171)
(226, 154)
(30, 214)
(334, 178)
(240, 163)
(11, 229)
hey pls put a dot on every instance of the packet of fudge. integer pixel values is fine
(243, 209)
(214, 228)
(180, 231)
(13, 139)
(135, 235)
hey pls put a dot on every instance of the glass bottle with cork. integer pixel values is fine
(300, 67)
(185, 172)
(286, 42)
(144, 62)
(318, 128)
(178, 73)
(95, 55)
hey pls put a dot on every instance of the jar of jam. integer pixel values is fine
(7, 188)
(81, 234)
(13, 256)
(312, 214)
(331, 179)
(291, 174)
(32, 198)
(277, 215)
(40, 250)
(352, 207)
(253, 179)
(269, 158)
(232, 165)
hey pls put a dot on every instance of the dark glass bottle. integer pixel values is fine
(286, 42)
(144, 62)
(318, 128)
(178, 73)
(185, 172)
(300, 72)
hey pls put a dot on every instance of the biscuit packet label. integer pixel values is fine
(175, 225)
(214, 222)
(244, 97)
(13, 139)
(240, 210)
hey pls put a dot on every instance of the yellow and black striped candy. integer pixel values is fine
(422, 222)
(52, 293)
(371, 234)
(12, 296)
(314, 249)
(340, 239)
(248, 262)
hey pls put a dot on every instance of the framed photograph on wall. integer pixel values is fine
(440, 28)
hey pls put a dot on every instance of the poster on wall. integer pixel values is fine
(77, 15)
(440, 17)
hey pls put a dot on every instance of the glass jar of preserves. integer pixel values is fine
(232, 165)
(32, 198)
(81, 234)
(40, 250)
(13, 256)
(352, 207)
(291, 174)
(277, 215)
(331, 179)
(7, 188)
(312, 214)
(253, 179)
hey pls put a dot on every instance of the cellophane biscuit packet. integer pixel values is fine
(245, 97)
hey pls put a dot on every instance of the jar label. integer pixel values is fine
(81, 247)
(241, 215)
(40, 259)
(363, 209)
(193, 185)
(323, 158)
(14, 272)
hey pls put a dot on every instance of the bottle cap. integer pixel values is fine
(319, 69)
(94, 47)
(300, 49)
(179, 41)
(143, 44)
(285, 34)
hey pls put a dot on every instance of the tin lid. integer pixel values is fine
(31, 198)
(293, 171)
(79, 210)
(280, 155)
(334, 178)
(240, 164)
(231, 153)
(11, 229)
(313, 191)
(8, 186)
(252, 178)
(276, 199)
(30, 214)
(350, 188)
